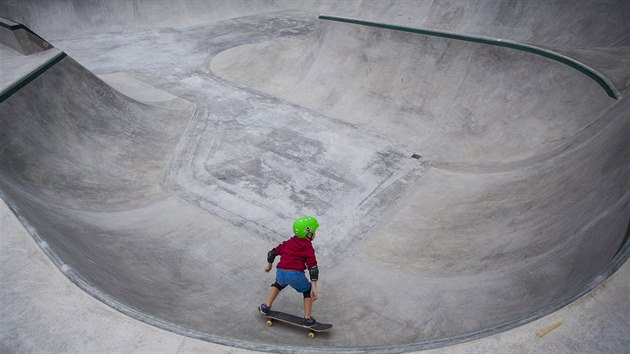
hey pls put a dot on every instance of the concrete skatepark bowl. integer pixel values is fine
(160, 149)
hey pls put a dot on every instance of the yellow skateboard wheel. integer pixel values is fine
(269, 323)
(311, 334)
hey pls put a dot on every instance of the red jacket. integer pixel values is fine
(296, 254)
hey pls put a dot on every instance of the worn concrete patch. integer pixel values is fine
(260, 163)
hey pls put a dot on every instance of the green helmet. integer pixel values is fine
(304, 225)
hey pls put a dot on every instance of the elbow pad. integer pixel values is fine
(271, 256)
(314, 273)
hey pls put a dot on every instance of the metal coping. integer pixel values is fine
(16, 86)
(12, 25)
(583, 68)
(6, 23)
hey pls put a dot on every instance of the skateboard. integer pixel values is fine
(295, 321)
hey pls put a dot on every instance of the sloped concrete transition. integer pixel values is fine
(170, 145)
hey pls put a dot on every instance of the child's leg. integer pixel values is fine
(308, 306)
(273, 293)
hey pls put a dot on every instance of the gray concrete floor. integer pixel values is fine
(158, 183)
(44, 312)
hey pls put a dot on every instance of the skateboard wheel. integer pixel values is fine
(311, 335)
(269, 323)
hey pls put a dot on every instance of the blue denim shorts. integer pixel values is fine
(295, 278)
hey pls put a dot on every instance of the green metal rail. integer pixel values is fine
(581, 67)
(16, 86)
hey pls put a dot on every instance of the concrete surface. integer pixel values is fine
(45, 312)
(15, 65)
(159, 187)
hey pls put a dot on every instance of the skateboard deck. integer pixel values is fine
(295, 321)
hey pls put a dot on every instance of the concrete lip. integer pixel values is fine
(415, 253)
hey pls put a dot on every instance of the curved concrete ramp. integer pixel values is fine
(159, 185)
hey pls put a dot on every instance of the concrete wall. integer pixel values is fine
(519, 204)
(557, 23)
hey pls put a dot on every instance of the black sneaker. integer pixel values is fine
(264, 309)
(309, 322)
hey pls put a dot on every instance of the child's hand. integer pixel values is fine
(268, 267)
(313, 294)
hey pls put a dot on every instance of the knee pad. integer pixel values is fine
(307, 293)
(277, 286)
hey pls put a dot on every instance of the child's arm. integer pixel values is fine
(314, 274)
(313, 270)
(271, 256)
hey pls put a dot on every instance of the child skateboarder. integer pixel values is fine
(296, 255)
